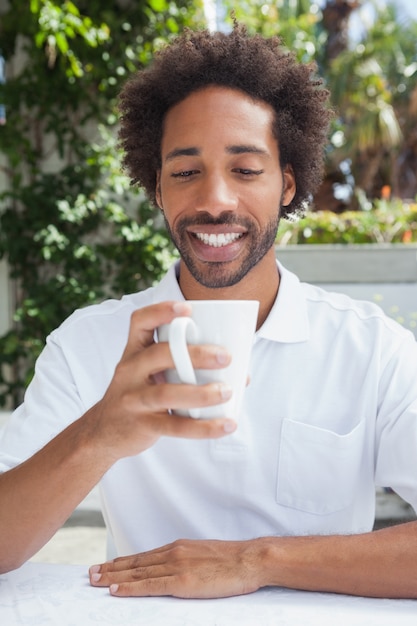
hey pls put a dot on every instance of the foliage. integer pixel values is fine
(71, 229)
(298, 23)
(387, 222)
(373, 87)
(372, 80)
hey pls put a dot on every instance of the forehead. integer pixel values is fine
(215, 114)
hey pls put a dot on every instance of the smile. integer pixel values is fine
(220, 240)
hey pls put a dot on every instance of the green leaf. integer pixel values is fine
(62, 43)
(158, 5)
(34, 6)
(71, 8)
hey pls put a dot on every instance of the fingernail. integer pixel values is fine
(181, 308)
(229, 426)
(222, 357)
(225, 391)
(113, 588)
(94, 569)
(95, 578)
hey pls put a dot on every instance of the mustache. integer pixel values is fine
(226, 218)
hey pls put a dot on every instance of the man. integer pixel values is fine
(226, 133)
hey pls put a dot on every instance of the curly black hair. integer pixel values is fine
(258, 66)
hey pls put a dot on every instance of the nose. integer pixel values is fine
(216, 195)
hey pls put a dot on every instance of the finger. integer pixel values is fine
(177, 397)
(171, 425)
(139, 582)
(150, 368)
(142, 390)
(144, 322)
(131, 561)
(149, 587)
(159, 358)
(152, 399)
(104, 578)
(149, 568)
(158, 579)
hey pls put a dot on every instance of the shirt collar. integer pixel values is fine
(287, 321)
(168, 288)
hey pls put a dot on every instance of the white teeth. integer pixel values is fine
(217, 241)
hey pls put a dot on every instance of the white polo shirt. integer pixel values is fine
(330, 412)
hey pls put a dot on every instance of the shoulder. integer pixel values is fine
(340, 309)
(339, 302)
(109, 309)
(106, 322)
(119, 311)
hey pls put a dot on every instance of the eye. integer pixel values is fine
(184, 173)
(247, 172)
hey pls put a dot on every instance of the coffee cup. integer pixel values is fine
(227, 323)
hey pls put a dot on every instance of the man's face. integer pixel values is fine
(221, 185)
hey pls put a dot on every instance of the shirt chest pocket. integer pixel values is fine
(319, 470)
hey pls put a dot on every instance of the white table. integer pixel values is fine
(60, 595)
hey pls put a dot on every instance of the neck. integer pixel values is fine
(261, 284)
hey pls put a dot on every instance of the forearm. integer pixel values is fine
(378, 564)
(39, 495)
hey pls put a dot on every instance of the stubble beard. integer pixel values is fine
(217, 275)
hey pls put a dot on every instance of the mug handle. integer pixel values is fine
(181, 329)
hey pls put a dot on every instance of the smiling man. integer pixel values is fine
(226, 133)
(221, 198)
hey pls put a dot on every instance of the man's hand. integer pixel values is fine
(132, 415)
(136, 408)
(379, 564)
(185, 569)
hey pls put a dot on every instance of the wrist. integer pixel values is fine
(283, 561)
(269, 559)
(93, 440)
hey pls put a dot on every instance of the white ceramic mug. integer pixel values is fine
(227, 323)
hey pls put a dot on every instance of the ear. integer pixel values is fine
(289, 185)
(158, 194)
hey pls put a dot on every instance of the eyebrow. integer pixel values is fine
(179, 152)
(234, 149)
(244, 149)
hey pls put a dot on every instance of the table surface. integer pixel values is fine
(60, 595)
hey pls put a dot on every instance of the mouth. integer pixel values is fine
(216, 244)
(218, 240)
